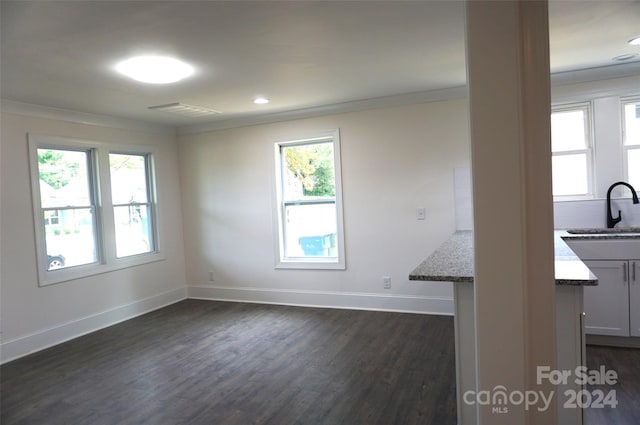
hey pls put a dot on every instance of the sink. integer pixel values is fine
(604, 244)
(603, 230)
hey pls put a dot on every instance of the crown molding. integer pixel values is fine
(613, 80)
(20, 108)
(608, 72)
(337, 108)
(593, 83)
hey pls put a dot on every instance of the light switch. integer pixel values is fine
(421, 213)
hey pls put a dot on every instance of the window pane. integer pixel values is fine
(128, 179)
(568, 130)
(310, 230)
(632, 124)
(133, 230)
(69, 237)
(633, 167)
(310, 211)
(570, 175)
(64, 178)
(308, 171)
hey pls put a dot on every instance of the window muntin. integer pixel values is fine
(67, 207)
(309, 203)
(79, 230)
(132, 207)
(631, 141)
(571, 151)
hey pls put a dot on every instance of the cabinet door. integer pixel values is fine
(634, 296)
(607, 305)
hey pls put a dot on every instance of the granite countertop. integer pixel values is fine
(602, 233)
(453, 262)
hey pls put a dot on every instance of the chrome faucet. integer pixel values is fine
(611, 222)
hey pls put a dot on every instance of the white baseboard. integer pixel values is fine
(351, 301)
(24, 345)
(21, 346)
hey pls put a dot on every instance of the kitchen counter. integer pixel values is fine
(603, 233)
(453, 262)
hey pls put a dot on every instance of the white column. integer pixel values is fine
(509, 99)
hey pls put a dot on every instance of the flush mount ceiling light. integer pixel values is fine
(635, 41)
(155, 69)
(260, 100)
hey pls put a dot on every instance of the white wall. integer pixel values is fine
(393, 161)
(34, 317)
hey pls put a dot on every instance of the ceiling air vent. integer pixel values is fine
(185, 110)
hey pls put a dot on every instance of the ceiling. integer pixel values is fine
(300, 54)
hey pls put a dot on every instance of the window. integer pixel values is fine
(67, 206)
(94, 208)
(309, 200)
(631, 141)
(132, 207)
(571, 150)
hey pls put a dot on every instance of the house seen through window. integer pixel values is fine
(68, 207)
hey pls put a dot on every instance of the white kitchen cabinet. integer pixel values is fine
(613, 306)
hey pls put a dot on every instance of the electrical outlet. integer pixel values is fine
(210, 276)
(421, 213)
(386, 281)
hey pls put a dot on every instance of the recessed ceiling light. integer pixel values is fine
(625, 57)
(260, 100)
(635, 41)
(154, 69)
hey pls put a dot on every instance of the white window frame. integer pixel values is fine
(588, 150)
(100, 187)
(283, 262)
(627, 147)
(151, 195)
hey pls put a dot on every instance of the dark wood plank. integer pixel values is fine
(626, 363)
(203, 362)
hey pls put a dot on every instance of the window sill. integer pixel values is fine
(310, 264)
(79, 272)
(573, 198)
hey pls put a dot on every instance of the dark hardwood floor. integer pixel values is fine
(626, 363)
(216, 363)
(203, 362)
